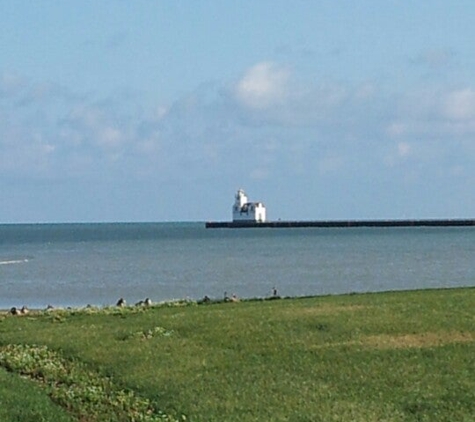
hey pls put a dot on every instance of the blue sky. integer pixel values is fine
(152, 110)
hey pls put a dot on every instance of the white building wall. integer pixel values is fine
(260, 212)
(247, 211)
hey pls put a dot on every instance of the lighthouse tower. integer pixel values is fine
(248, 211)
(241, 199)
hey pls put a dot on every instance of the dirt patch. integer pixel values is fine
(323, 310)
(404, 341)
(422, 340)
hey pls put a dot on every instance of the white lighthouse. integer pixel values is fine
(248, 211)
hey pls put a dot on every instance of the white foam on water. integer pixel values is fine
(13, 261)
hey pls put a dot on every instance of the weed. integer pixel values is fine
(149, 334)
(83, 392)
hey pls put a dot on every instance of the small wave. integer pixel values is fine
(14, 261)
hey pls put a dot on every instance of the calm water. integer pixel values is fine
(79, 264)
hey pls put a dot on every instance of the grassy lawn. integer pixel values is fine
(401, 356)
(23, 401)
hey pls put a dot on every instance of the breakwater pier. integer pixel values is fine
(340, 223)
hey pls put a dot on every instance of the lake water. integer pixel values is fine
(79, 264)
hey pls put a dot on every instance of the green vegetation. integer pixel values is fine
(22, 401)
(401, 356)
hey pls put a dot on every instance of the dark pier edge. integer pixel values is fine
(341, 223)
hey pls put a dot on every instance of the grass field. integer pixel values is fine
(400, 356)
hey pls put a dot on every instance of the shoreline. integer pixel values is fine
(210, 301)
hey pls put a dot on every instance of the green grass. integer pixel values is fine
(23, 401)
(401, 356)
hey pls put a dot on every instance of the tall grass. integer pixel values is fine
(401, 356)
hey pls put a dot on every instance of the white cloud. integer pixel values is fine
(435, 57)
(460, 105)
(94, 126)
(262, 86)
(259, 174)
(161, 112)
(110, 137)
(429, 115)
(25, 152)
(365, 91)
(396, 129)
(85, 116)
(316, 127)
(269, 94)
(403, 149)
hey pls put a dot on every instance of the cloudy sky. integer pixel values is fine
(155, 110)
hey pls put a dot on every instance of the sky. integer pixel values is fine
(156, 110)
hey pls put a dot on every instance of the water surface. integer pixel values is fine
(79, 264)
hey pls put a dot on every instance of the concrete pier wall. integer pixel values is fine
(341, 223)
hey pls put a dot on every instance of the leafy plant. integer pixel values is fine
(86, 394)
(149, 334)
